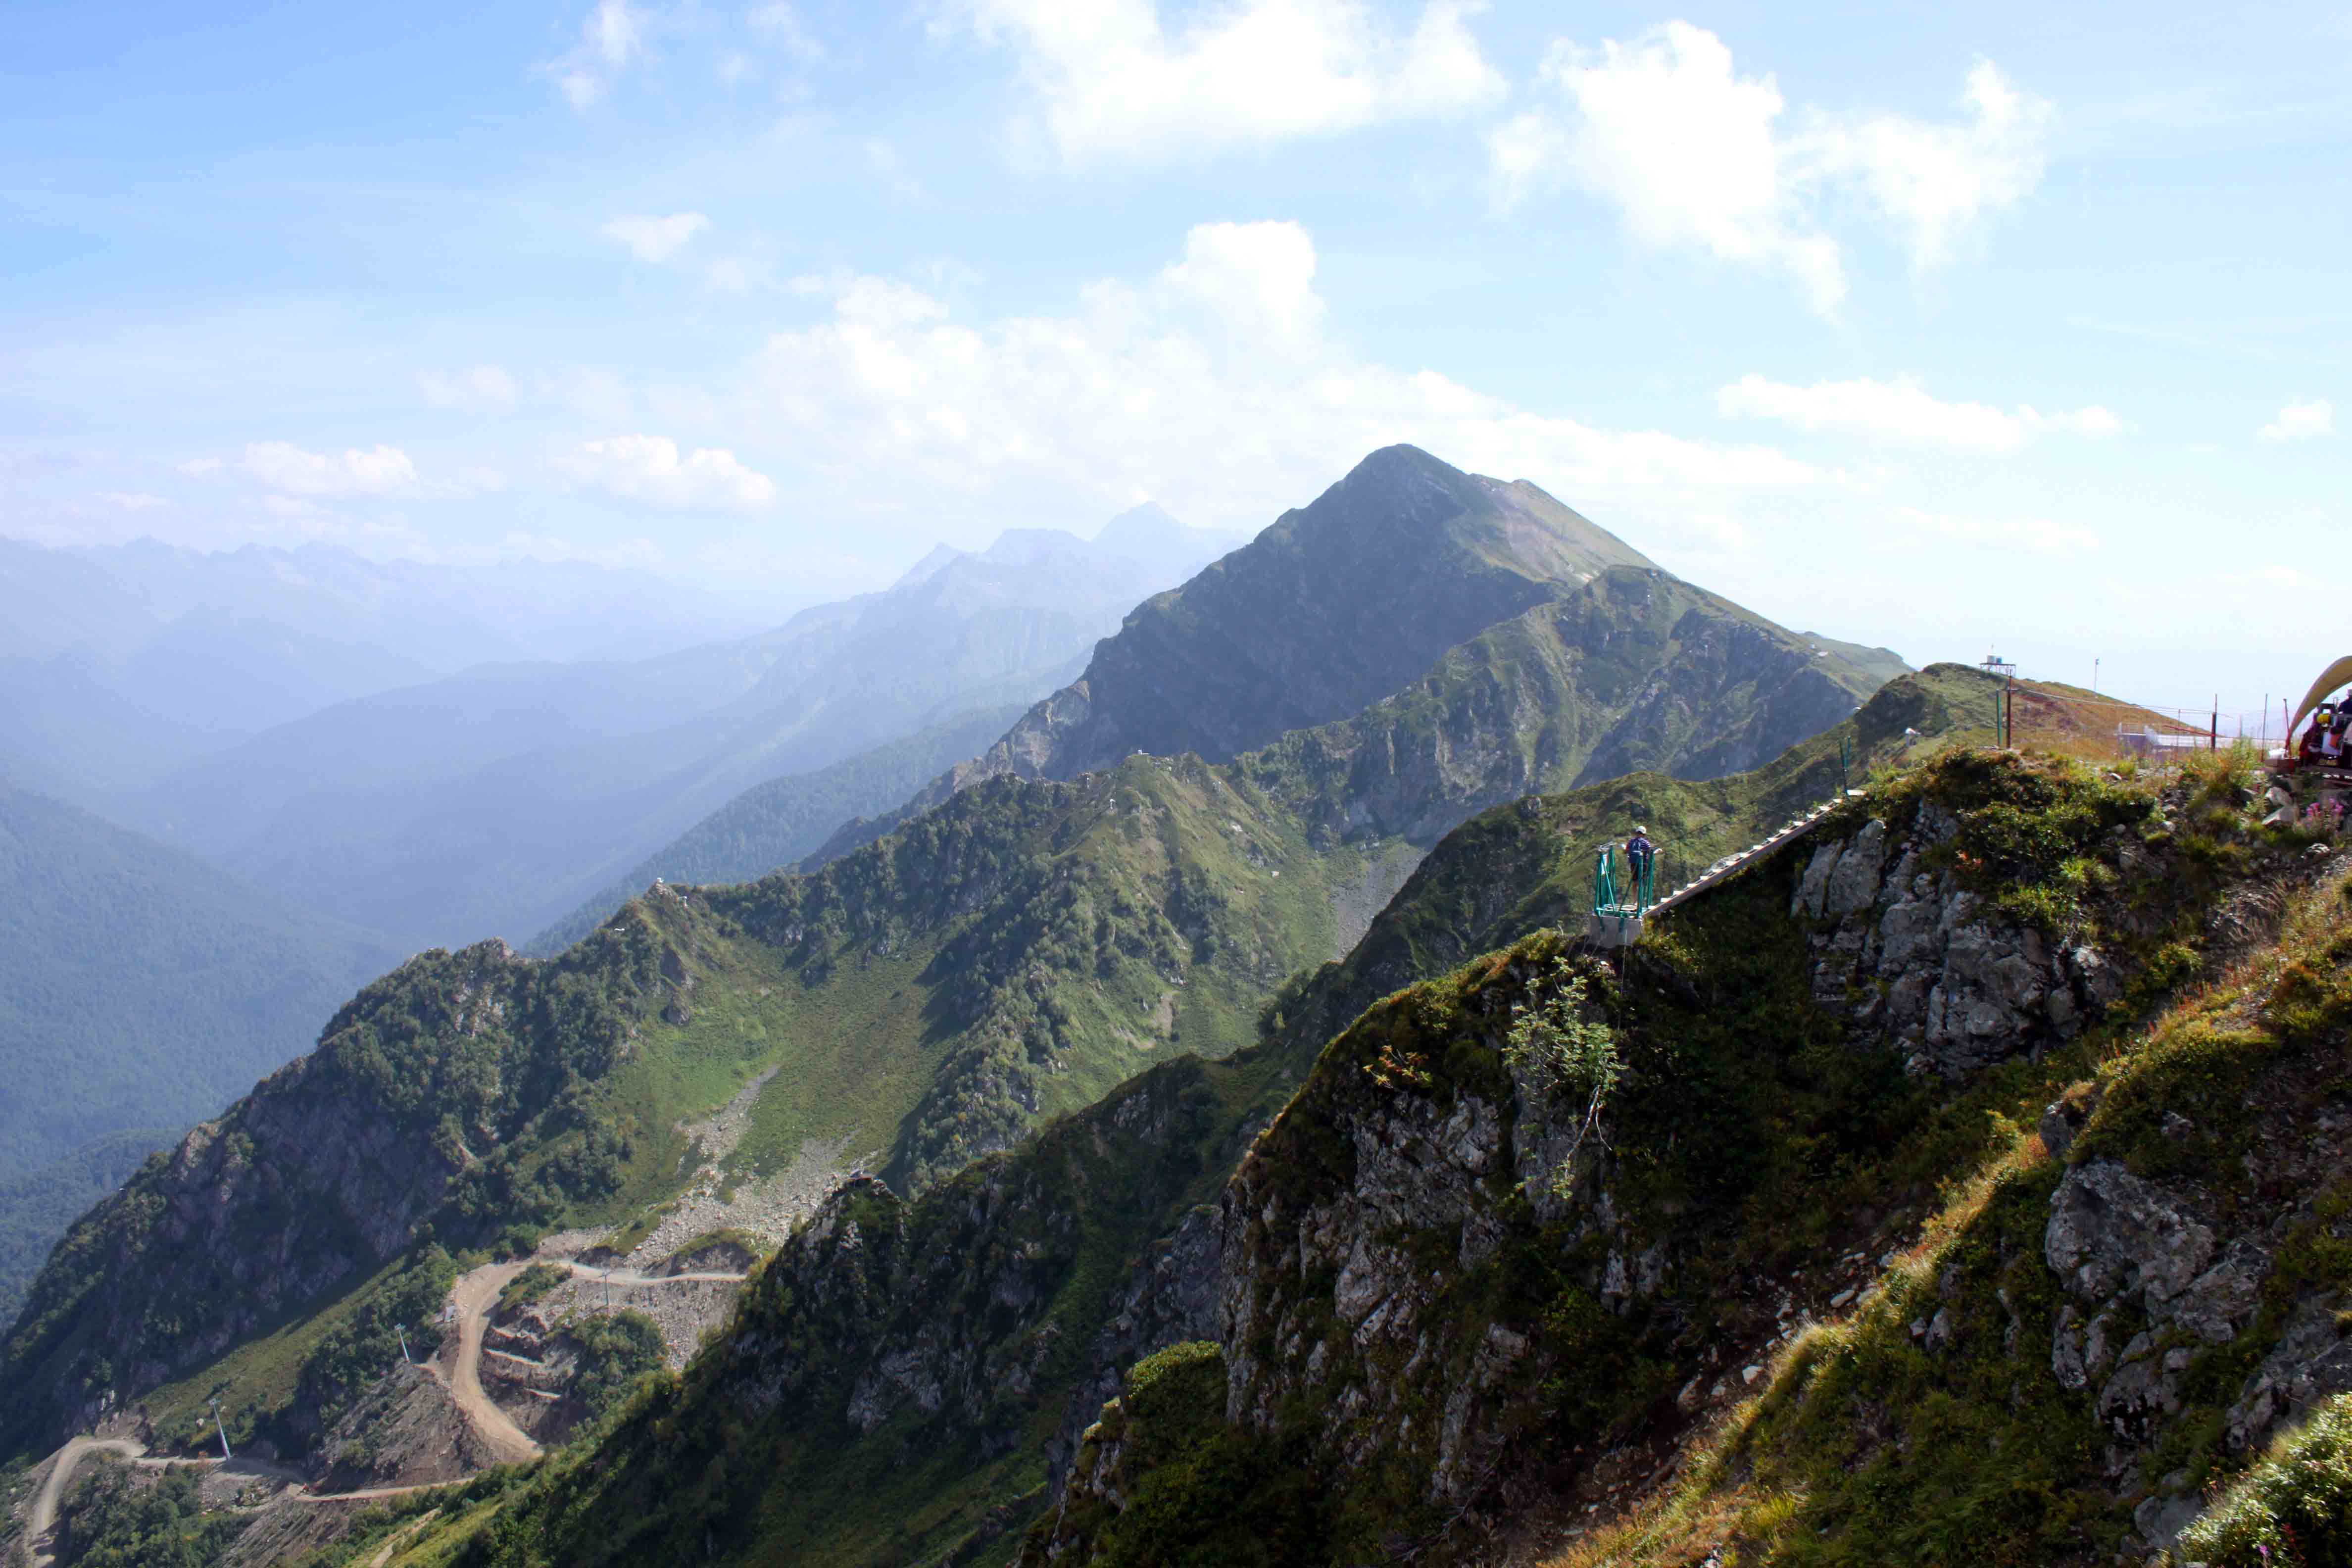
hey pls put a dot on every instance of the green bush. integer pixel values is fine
(533, 1284)
(2291, 1510)
(111, 1521)
(615, 1349)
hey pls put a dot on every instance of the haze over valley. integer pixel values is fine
(1136, 784)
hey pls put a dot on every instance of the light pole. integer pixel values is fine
(226, 1455)
(401, 1330)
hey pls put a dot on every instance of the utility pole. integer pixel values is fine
(226, 1455)
(2095, 676)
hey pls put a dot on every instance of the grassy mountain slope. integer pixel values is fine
(896, 1386)
(775, 824)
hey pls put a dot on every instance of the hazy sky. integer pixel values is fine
(1941, 327)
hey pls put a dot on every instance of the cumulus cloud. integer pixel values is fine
(1938, 185)
(1694, 156)
(2302, 422)
(2035, 536)
(648, 469)
(1903, 412)
(612, 38)
(1216, 386)
(1112, 77)
(651, 239)
(287, 469)
(484, 389)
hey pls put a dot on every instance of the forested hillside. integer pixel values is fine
(909, 1380)
(139, 989)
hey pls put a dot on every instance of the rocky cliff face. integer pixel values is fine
(1408, 1292)
(1923, 966)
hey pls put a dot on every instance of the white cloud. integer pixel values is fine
(1216, 386)
(2035, 536)
(2301, 421)
(132, 500)
(1113, 79)
(1691, 153)
(286, 467)
(648, 469)
(612, 38)
(653, 239)
(1666, 129)
(1901, 411)
(484, 389)
(780, 24)
(1938, 185)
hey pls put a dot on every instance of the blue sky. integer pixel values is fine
(1947, 328)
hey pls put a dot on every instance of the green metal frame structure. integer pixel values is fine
(1627, 889)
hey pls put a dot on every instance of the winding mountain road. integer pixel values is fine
(474, 1295)
(41, 1523)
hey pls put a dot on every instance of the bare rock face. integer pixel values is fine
(1172, 1299)
(1920, 963)
(2126, 1250)
(1332, 1303)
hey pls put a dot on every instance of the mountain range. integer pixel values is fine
(141, 990)
(118, 663)
(1016, 951)
(491, 802)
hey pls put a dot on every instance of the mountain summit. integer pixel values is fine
(1335, 607)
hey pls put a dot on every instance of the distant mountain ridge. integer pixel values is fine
(140, 988)
(119, 662)
(495, 800)
(775, 824)
(1335, 607)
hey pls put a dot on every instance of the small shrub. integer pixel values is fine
(533, 1284)
(2291, 1510)
(1562, 1044)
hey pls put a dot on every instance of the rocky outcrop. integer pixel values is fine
(1927, 967)
(2147, 1280)
(1173, 1298)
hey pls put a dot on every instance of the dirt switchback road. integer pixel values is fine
(44, 1517)
(474, 1295)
